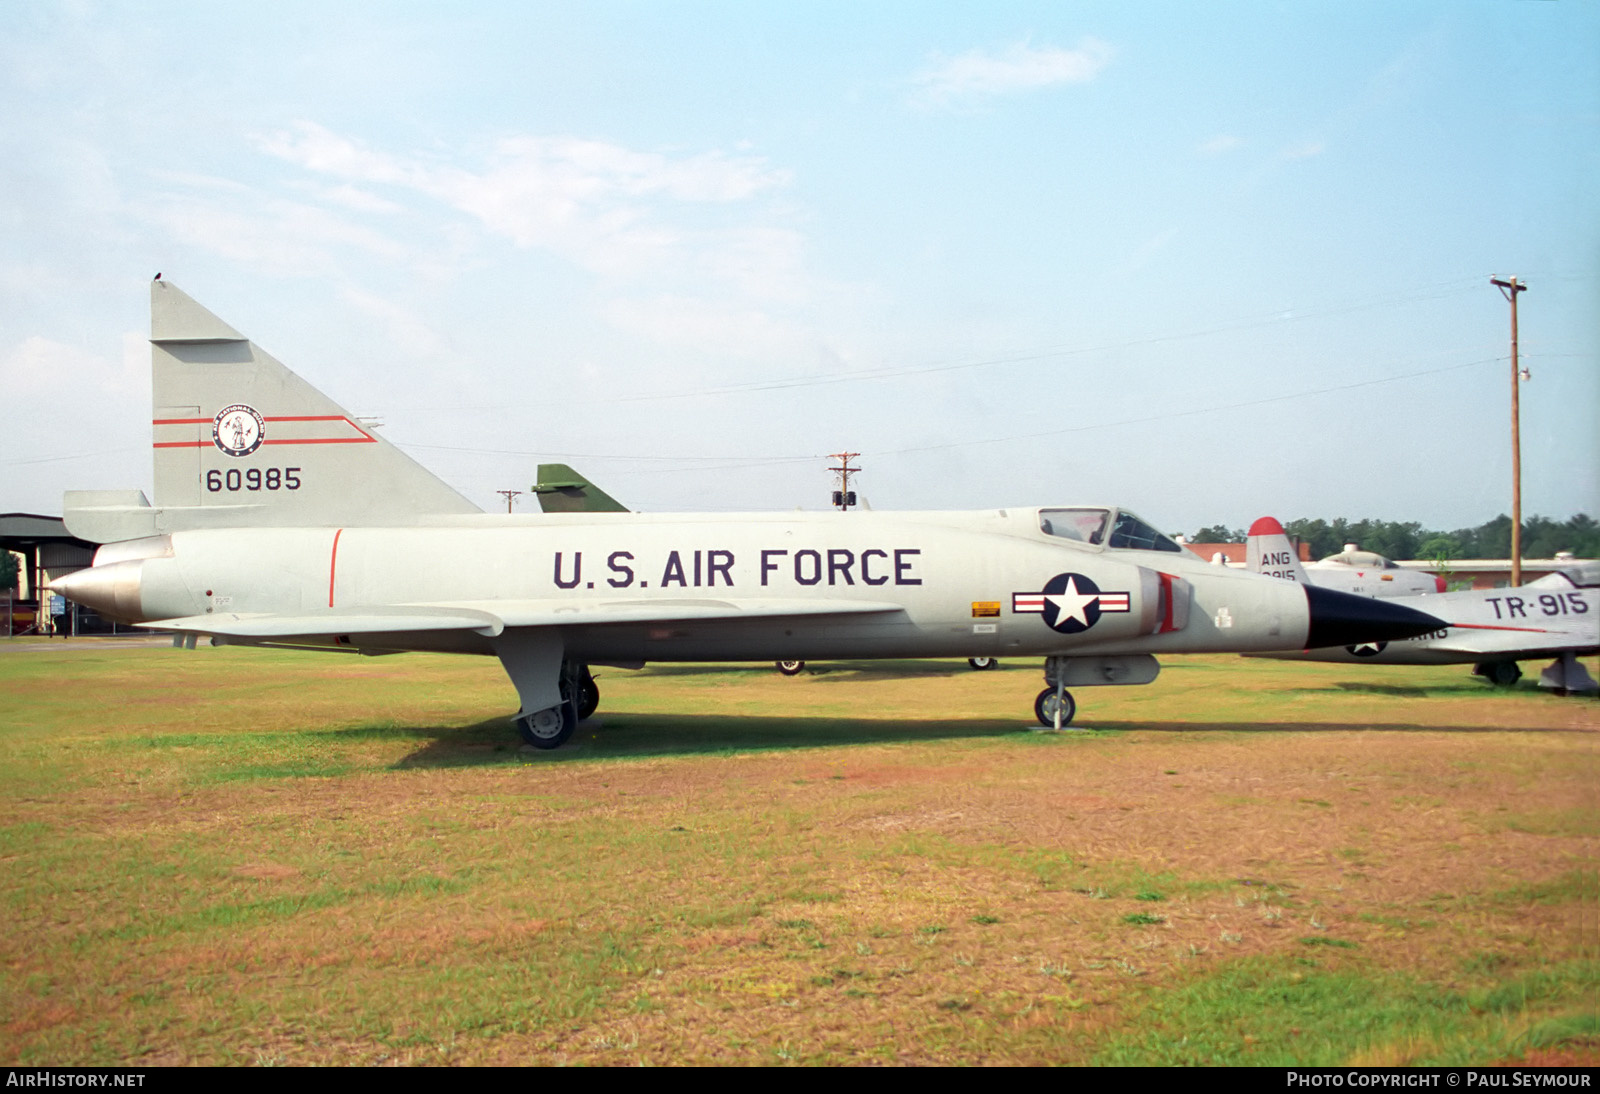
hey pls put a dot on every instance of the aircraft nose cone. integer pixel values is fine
(1342, 619)
(110, 590)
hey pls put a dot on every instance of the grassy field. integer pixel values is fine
(229, 856)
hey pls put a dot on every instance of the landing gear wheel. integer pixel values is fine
(588, 695)
(1502, 674)
(548, 728)
(981, 663)
(791, 668)
(1044, 708)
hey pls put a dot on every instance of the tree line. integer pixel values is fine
(1542, 537)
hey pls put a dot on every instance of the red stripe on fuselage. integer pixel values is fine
(333, 561)
(1497, 627)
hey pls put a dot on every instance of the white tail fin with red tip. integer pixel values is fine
(1269, 551)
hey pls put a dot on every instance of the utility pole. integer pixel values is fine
(1509, 288)
(510, 496)
(844, 497)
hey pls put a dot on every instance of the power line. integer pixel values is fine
(1044, 354)
(1196, 411)
(725, 462)
(1435, 291)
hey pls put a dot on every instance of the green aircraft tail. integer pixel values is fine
(563, 490)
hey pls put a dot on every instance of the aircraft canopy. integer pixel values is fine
(1090, 526)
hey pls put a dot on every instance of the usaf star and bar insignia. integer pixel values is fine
(1070, 603)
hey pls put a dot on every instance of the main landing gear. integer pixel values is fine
(588, 694)
(1502, 674)
(982, 663)
(791, 668)
(548, 728)
(553, 726)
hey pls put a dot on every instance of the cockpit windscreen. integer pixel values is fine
(1093, 526)
(1083, 525)
(1130, 531)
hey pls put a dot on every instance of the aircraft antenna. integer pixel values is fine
(844, 497)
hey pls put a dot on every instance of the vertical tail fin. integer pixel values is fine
(563, 490)
(1267, 550)
(242, 440)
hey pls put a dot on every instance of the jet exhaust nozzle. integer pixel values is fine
(1344, 619)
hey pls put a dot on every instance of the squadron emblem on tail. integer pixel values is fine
(238, 430)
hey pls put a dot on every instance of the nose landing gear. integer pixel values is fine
(1050, 701)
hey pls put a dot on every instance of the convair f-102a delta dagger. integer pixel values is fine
(280, 520)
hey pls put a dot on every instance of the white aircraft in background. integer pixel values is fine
(280, 520)
(1491, 629)
(1364, 573)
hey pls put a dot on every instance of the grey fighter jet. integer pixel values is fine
(280, 520)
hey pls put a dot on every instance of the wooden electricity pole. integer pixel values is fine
(843, 497)
(510, 496)
(1509, 288)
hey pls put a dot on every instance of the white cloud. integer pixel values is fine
(405, 328)
(1150, 248)
(357, 199)
(764, 263)
(607, 208)
(270, 233)
(39, 366)
(708, 326)
(135, 361)
(980, 74)
(36, 365)
(1221, 143)
(316, 149)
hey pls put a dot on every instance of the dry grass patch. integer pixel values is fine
(280, 858)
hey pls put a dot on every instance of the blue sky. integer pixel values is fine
(1206, 261)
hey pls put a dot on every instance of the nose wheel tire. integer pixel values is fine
(981, 663)
(1044, 707)
(791, 668)
(548, 728)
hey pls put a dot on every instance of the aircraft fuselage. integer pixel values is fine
(812, 585)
